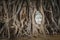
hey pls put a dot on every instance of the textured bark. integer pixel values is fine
(18, 17)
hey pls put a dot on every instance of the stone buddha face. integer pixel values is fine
(38, 17)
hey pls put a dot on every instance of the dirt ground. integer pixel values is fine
(51, 37)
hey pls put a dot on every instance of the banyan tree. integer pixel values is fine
(29, 18)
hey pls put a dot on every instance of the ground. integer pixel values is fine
(51, 37)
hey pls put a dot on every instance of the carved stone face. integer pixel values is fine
(38, 17)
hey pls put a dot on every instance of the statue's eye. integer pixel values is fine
(38, 17)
